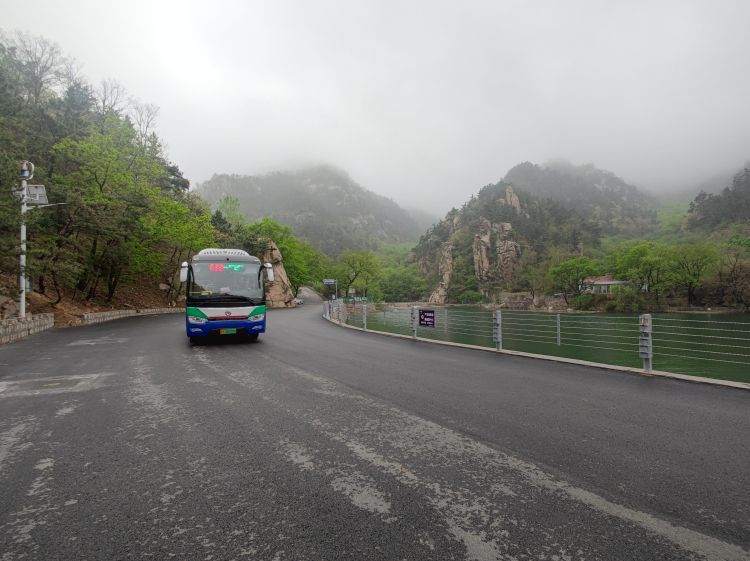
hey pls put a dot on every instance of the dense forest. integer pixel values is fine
(123, 209)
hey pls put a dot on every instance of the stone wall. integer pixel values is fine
(14, 329)
(99, 317)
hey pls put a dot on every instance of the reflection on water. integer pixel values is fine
(712, 345)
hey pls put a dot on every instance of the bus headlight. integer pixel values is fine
(258, 317)
(196, 319)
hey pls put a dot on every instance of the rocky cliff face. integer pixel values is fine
(495, 256)
(445, 270)
(493, 252)
(279, 292)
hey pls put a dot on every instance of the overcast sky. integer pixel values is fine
(424, 102)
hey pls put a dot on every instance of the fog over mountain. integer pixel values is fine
(423, 101)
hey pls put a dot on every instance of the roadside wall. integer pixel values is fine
(15, 328)
(99, 317)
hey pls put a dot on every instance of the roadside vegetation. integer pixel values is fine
(125, 215)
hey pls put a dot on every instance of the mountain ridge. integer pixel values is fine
(535, 214)
(322, 204)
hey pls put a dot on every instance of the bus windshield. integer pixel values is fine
(211, 281)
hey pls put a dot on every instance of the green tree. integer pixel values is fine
(357, 268)
(107, 185)
(689, 264)
(734, 274)
(533, 275)
(229, 209)
(403, 284)
(645, 264)
(568, 276)
(292, 250)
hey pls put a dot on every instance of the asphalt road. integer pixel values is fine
(120, 441)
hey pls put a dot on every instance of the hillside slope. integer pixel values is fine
(501, 235)
(322, 205)
(616, 206)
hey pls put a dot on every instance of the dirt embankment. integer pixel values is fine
(69, 310)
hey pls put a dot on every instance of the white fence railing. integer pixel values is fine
(629, 340)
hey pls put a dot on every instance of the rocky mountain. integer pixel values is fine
(479, 251)
(321, 204)
(616, 206)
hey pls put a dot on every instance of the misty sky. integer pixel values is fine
(425, 102)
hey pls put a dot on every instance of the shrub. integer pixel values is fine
(626, 299)
(470, 297)
(585, 301)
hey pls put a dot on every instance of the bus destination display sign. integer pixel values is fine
(221, 267)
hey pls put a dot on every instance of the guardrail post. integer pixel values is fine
(414, 321)
(497, 329)
(645, 341)
(558, 330)
(364, 316)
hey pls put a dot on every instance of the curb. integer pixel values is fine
(631, 370)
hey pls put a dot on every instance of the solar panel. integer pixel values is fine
(36, 195)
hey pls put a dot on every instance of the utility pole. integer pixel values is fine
(32, 196)
(27, 172)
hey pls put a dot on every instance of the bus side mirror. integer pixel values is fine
(183, 271)
(269, 271)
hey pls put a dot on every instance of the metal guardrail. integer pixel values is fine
(632, 339)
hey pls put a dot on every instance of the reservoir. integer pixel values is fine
(700, 344)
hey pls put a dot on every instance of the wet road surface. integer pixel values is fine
(120, 441)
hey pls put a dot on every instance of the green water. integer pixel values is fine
(712, 345)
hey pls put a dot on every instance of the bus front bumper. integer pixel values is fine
(225, 327)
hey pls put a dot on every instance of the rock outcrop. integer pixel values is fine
(279, 292)
(463, 241)
(445, 271)
(495, 255)
(511, 199)
(508, 254)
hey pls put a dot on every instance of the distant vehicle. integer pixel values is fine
(225, 294)
(298, 301)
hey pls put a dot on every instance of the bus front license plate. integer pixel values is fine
(228, 331)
